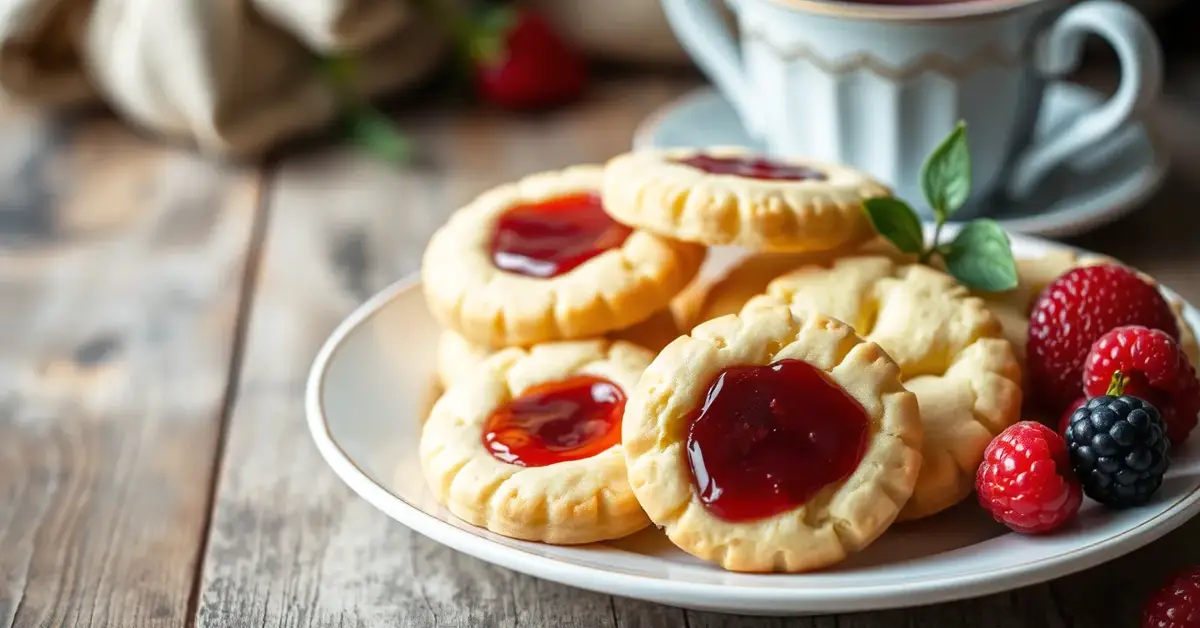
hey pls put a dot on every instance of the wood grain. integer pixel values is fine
(120, 269)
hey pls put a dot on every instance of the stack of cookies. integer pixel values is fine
(775, 418)
(541, 261)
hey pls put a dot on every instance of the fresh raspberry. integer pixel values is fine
(1158, 372)
(1025, 480)
(1073, 312)
(1176, 605)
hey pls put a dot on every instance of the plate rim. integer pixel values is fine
(1134, 191)
(729, 597)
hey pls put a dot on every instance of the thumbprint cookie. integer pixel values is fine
(528, 445)
(948, 345)
(540, 260)
(771, 441)
(720, 196)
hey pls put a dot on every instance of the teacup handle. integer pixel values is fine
(705, 36)
(1141, 80)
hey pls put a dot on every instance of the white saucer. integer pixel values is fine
(1112, 181)
(371, 386)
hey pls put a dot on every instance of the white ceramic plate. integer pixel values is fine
(372, 384)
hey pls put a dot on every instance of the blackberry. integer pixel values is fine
(1118, 449)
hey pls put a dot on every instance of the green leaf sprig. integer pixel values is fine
(363, 124)
(980, 256)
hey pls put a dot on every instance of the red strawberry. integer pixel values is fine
(1073, 312)
(521, 62)
(1158, 372)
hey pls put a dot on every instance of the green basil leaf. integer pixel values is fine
(896, 221)
(946, 174)
(369, 128)
(980, 257)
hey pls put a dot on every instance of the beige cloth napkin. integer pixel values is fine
(234, 76)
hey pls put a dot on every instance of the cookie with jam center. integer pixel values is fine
(528, 445)
(541, 260)
(770, 441)
(730, 196)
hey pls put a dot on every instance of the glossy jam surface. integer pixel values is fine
(569, 419)
(549, 238)
(768, 438)
(752, 168)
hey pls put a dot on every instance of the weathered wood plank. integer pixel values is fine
(120, 279)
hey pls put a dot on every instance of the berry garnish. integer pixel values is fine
(1177, 604)
(1118, 447)
(363, 124)
(1073, 312)
(521, 62)
(1158, 372)
(1025, 480)
(1064, 421)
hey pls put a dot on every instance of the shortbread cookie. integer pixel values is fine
(528, 445)
(456, 356)
(654, 333)
(770, 441)
(730, 196)
(949, 348)
(726, 292)
(539, 260)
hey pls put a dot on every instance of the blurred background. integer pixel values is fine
(242, 78)
(194, 193)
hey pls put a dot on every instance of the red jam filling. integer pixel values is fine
(752, 168)
(768, 438)
(549, 238)
(570, 419)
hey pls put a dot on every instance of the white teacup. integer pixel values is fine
(878, 85)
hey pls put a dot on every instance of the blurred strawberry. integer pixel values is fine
(521, 62)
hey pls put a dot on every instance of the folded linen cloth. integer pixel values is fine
(233, 76)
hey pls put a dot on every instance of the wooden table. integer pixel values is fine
(158, 313)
